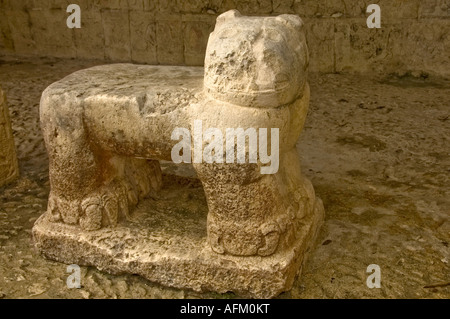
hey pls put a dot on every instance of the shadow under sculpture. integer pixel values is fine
(107, 127)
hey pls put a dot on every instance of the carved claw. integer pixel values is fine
(132, 196)
(92, 213)
(215, 240)
(111, 207)
(101, 209)
(123, 200)
(271, 237)
(63, 210)
(104, 206)
(53, 210)
(142, 177)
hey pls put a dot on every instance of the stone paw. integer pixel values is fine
(53, 209)
(270, 237)
(62, 210)
(263, 242)
(141, 177)
(215, 240)
(103, 207)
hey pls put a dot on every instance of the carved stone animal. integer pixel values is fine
(107, 127)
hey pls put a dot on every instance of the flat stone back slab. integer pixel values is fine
(9, 169)
(166, 242)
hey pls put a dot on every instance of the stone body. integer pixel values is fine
(9, 168)
(106, 127)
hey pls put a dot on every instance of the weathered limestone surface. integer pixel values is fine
(9, 169)
(106, 127)
(171, 248)
(246, 68)
(414, 36)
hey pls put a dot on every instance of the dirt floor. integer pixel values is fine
(375, 147)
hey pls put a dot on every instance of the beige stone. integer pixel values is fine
(116, 26)
(89, 39)
(19, 24)
(6, 41)
(9, 169)
(46, 26)
(193, 6)
(337, 35)
(143, 37)
(254, 6)
(434, 8)
(267, 70)
(170, 40)
(387, 51)
(283, 6)
(321, 44)
(169, 6)
(196, 33)
(107, 127)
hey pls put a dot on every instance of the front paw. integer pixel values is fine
(60, 209)
(102, 208)
(216, 240)
(270, 237)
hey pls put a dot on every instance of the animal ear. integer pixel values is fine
(230, 14)
(291, 20)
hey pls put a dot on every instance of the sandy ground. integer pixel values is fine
(376, 149)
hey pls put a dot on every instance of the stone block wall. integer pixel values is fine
(414, 34)
(8, 161)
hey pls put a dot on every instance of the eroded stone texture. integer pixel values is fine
(106, 127)
(9, 169)
(413, 37)
(257, 62)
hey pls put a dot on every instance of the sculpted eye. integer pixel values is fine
(273, 35)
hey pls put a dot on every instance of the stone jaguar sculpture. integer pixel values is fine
(107, 127)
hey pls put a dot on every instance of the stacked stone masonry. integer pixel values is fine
(414, 35)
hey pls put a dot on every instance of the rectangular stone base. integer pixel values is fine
(165, 242)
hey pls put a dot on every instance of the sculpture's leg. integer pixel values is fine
(251, 213)
(88, 186)
(243, 208)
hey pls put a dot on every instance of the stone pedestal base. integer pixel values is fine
(165, 242)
